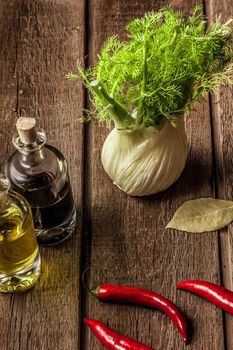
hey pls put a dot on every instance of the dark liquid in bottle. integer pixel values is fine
(55, 222)
(53, 212)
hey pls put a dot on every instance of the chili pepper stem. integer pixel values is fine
(95, 292)
(92, 291)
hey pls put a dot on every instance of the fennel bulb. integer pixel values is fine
(146, 161)
(167, 63)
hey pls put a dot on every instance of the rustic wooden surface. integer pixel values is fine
(122, 238)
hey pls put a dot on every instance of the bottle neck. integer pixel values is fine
(33, 158)
(32, 153)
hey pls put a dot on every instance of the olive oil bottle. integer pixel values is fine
(19, 253)
(39, 172)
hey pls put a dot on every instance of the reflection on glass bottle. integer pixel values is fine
(19, 253)
(39, 172)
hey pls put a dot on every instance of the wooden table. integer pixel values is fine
(123, 238)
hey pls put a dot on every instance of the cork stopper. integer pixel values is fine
(27, 129)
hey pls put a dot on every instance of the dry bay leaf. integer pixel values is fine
(202, 215)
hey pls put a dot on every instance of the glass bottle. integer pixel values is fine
(19, 253)
(39, 172)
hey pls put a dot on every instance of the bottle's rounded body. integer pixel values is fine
(19, 252)
(42, 178)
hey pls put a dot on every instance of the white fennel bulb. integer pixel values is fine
(147, 161)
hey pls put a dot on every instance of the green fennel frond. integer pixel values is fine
(167, 63)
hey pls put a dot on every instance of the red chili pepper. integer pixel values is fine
(144, 297)
(218, 295)
(113, 340)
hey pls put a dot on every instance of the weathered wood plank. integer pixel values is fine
(222, 142)
(8, 99)
(128, 241)
(40, 41)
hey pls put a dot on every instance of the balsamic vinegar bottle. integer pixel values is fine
(19, 252)
(39, 172)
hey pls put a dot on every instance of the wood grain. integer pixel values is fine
(124, 238)
(128, 243)
(40, 41)
(222, 115)
(8, 99)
